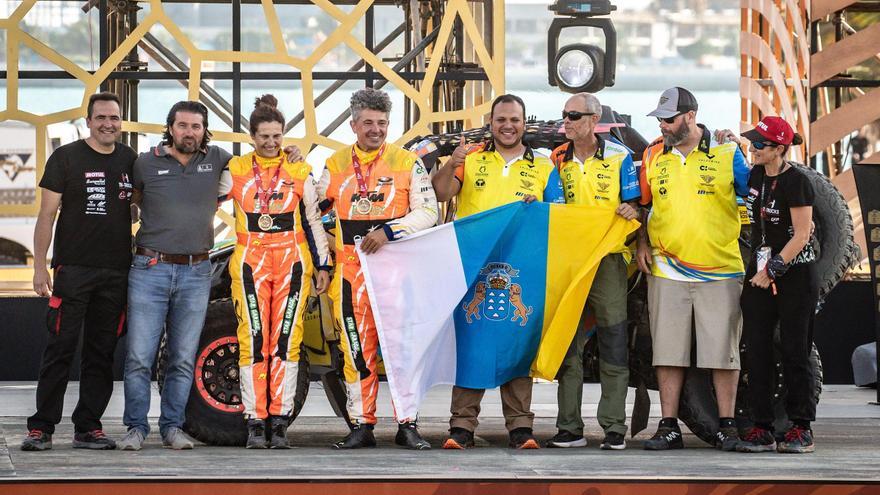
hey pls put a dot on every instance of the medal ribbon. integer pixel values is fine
(358, 173)
(264, 193)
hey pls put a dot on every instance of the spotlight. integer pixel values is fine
(581, 67)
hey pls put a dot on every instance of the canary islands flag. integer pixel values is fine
(488, 298)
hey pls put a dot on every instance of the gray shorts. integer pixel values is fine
(716, 314)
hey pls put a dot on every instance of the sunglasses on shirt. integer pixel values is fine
(573, 115)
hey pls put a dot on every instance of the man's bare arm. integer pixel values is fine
(49, 204)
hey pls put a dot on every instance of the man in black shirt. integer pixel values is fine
(90, 180)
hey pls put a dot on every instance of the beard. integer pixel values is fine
(678, 136)
(186, 147)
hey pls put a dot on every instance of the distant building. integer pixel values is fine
(659, 29)
(47, 14)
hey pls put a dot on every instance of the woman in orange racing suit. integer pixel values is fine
(280, 245)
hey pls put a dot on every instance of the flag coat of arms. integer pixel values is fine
(488, 298)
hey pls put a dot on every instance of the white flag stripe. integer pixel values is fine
(415, 326)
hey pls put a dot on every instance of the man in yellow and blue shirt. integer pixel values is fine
(500, 172)
(690, 251)
(597, 172)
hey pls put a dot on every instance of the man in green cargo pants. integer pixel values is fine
(599, 172)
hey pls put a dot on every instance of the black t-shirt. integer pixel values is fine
(94, 226)
(790, 189)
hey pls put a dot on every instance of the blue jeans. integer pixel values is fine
(169, 297)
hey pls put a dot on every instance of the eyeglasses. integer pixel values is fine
(669, 120)
(759, 145)
(573, 115)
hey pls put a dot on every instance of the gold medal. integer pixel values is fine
(364, 206)
(265, 222)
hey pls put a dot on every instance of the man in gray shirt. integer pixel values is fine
(177, 185)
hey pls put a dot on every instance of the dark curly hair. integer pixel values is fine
(265, 110)
(190, 107)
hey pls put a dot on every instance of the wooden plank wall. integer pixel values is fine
(778, 72)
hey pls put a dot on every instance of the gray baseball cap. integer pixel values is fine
(674, 101)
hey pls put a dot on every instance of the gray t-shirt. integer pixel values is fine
(178, 203)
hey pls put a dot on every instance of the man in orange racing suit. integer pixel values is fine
(281, 242)
(380, 192)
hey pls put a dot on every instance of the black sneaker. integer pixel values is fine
(522, 438)
(666, 437)
(798, 440)
(726, 438)
(36, 441)
(360, 436)
(278, 432)
(757, 440)
(613, 441)
(256, 434)
(565, 439)
(95, 440)
(459, 439)
(408, 436)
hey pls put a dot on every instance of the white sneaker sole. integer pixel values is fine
(608, 446)
(581, 442)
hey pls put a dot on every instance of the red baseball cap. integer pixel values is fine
(774, 129)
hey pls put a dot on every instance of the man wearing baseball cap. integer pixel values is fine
(688, 247)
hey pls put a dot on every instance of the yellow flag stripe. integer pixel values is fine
(575, 248)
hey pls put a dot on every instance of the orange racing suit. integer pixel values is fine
(402, 202)
(271, 270)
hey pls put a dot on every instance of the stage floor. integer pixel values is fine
(846, 436)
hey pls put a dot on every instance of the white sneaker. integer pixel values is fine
(176, 439)
(133, 440)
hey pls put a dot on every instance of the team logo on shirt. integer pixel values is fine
(480, 184)
(496, 297)
(527, 184)
(205, 167)
(96, 188)
(124, 186)
(603, 186)
(706, 187)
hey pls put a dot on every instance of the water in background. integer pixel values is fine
(718, 109)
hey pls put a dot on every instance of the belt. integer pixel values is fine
(177, 259)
